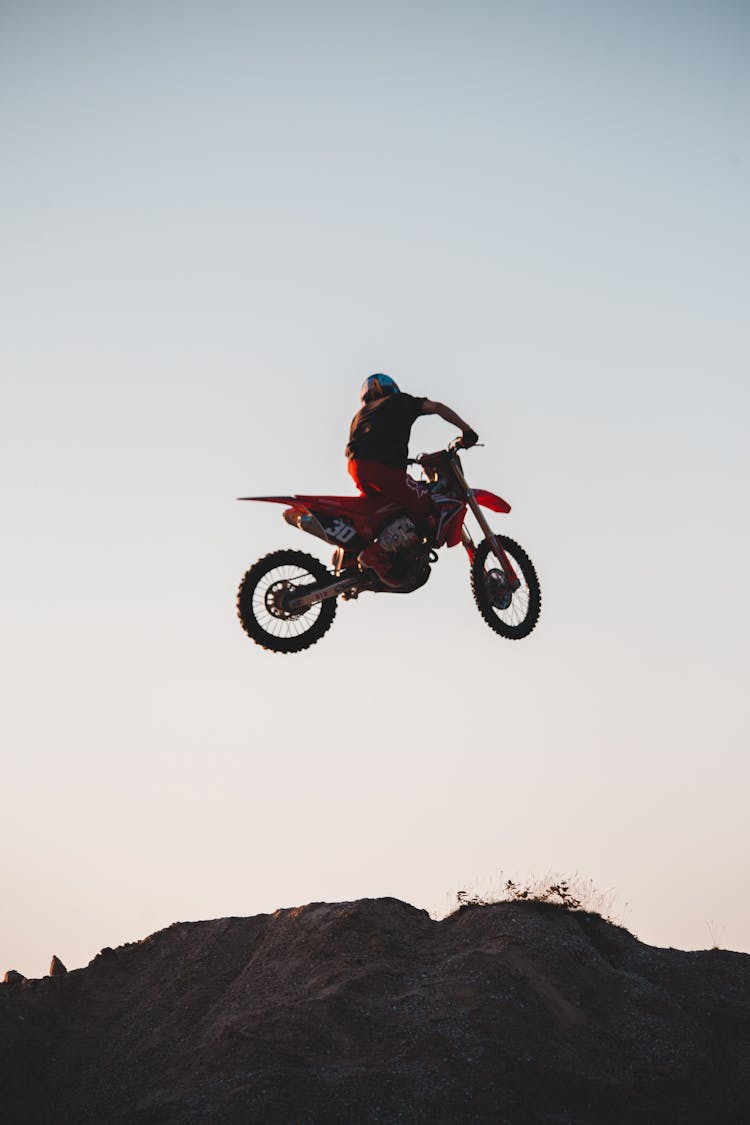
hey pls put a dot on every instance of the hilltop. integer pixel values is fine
(370, 1011)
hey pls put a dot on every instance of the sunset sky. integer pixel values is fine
(218, 218)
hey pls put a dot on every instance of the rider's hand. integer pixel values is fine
(469, 438)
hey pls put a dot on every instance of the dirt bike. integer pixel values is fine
(287, 600)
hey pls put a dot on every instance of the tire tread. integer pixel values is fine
(510, 632)
(250, 623)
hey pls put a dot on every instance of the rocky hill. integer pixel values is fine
(370, 1011)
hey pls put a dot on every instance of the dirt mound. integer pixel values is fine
(370, 1011)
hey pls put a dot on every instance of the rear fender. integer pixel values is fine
(338, 530)
(288, 500)
(344, 521)
(490, 500)
(296, 514)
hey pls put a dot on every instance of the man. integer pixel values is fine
(377, 453)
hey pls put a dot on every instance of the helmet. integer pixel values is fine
(377, 386)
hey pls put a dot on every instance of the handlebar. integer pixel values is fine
(453, 447)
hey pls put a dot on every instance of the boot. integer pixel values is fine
(375, 558)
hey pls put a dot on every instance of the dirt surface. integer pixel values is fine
(369, 1011)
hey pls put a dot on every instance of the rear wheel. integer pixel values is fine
(264, 594)
(511, 613)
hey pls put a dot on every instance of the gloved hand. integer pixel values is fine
(469, 438)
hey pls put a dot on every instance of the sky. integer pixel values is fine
(217, 219)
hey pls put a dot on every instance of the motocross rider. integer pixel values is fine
(377, 453)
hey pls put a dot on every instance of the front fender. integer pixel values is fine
(490, 500)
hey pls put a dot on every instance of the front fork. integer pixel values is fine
(494, 540)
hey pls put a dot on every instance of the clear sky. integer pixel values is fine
(218, 218)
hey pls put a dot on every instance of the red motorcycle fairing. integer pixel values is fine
(451, 535)
(490, 500)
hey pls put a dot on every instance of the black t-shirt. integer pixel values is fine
(380, 430)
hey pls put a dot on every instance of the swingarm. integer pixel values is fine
(313, 593)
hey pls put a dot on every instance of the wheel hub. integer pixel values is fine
(277, 599)
(497, 589)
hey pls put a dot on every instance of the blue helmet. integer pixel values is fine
(377, 386)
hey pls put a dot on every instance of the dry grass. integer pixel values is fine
(568, 892)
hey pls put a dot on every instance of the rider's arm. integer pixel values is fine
(429, 407)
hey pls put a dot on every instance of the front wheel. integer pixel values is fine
(511, 613)
(264, 594)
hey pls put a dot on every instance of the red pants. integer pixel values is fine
(373, 478)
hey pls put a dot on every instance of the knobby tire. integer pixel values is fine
(295, 632)
(506, 626)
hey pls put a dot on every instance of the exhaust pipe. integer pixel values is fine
(304, 522)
